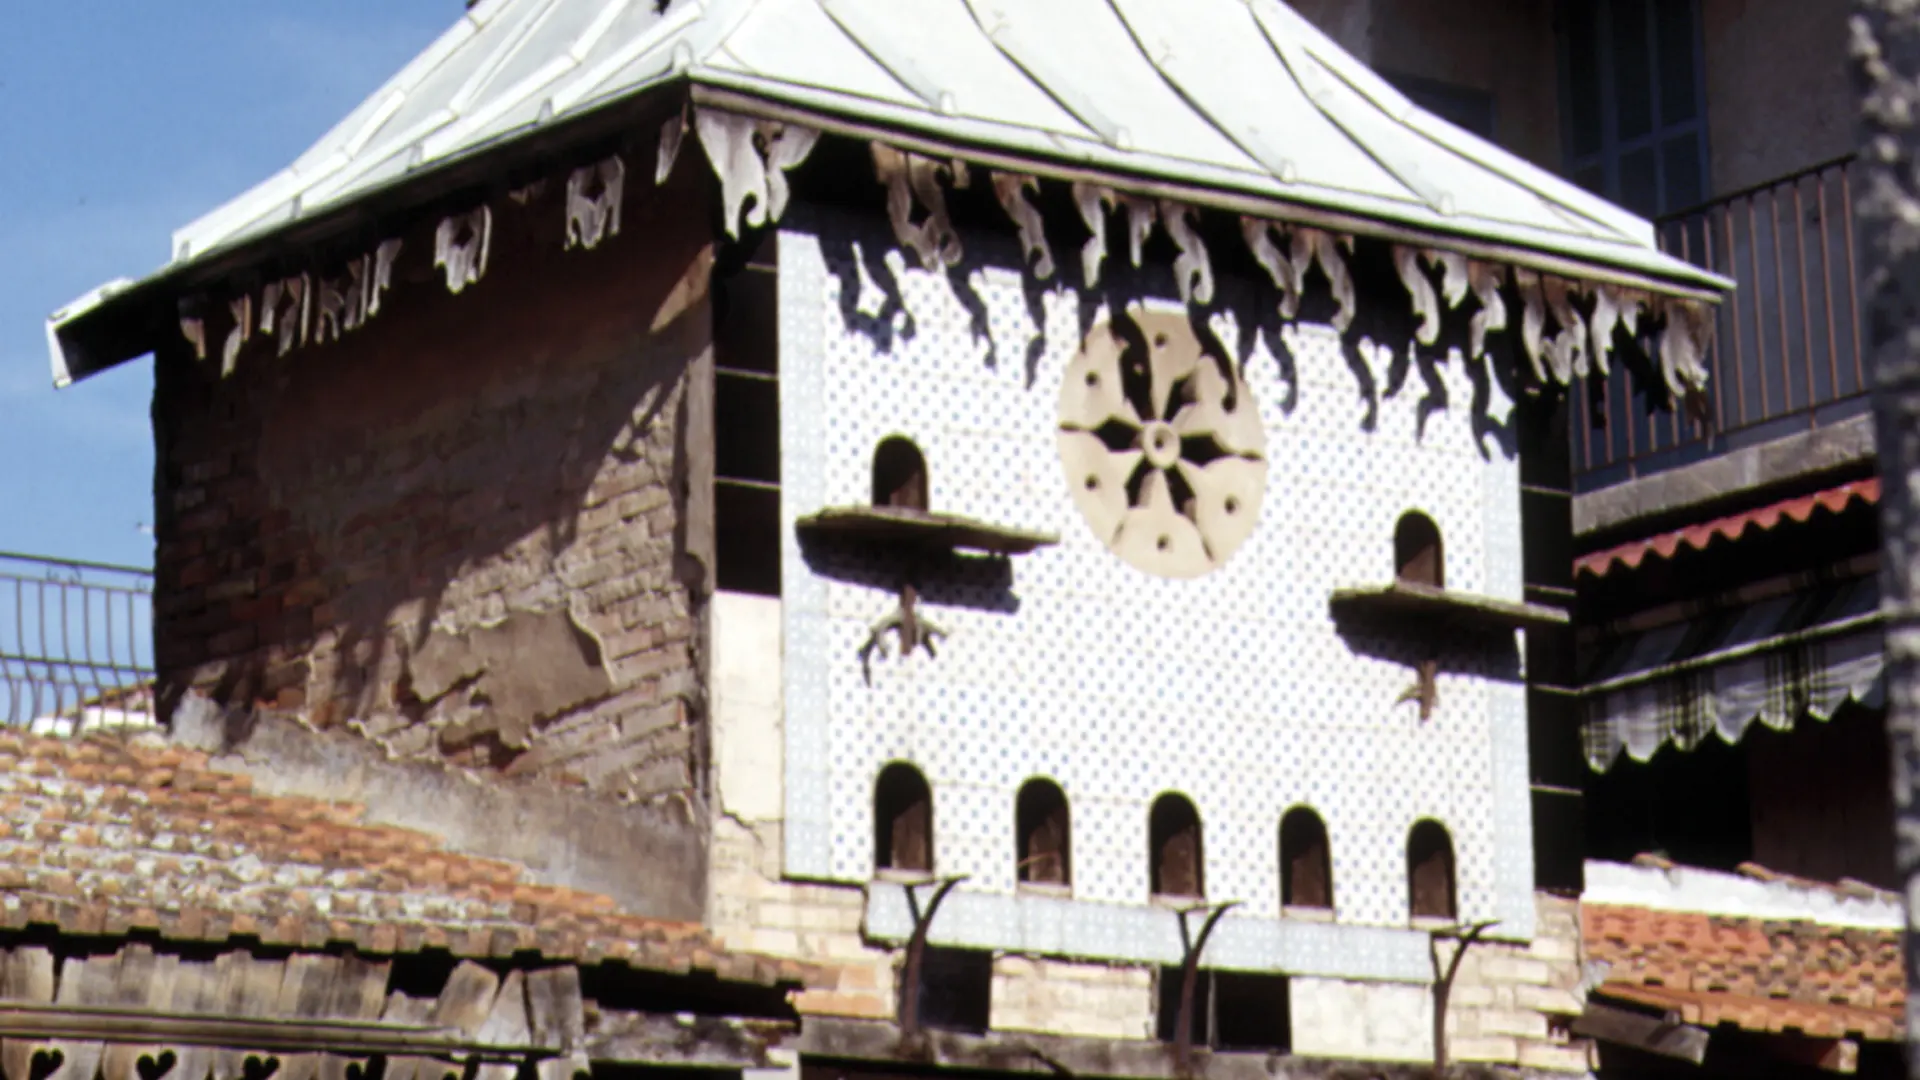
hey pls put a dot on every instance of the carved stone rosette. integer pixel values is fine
(1163, 447)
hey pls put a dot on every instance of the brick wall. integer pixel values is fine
(474, 529)
(1509, 1003)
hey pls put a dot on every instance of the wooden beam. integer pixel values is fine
(1830, 1055)
(692, 1041)
(838, 1049)
(1651, 1034)
(80, 1023)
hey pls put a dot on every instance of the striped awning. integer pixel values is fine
(1805, 653)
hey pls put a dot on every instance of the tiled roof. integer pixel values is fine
(1762, 975)
(1710, 1009)
(105, 835)
(1731, 527)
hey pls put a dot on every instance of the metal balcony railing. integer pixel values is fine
(1787, 350)
(76, 644)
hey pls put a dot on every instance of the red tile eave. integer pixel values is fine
(1770, 1015)
(104, 835)
(1762, 975)
(1697, 537)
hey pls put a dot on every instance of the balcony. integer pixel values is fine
(1787, 353)
(76, 645)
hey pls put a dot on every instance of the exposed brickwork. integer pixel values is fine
(1510, 1003)
(468, 529)
(1752, 973)
(113, 834)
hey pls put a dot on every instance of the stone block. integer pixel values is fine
(1555, 1058)
(1491, 1048)
(1551, 1000)
(1554, 948)
(1470, 996)
(1516, 1022)
(1516, 969)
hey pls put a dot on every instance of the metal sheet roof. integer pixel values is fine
(1241, 99)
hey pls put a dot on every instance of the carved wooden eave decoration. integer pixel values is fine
(1174, 124)
(1567, 326)
(139, 1014)
(922, 531)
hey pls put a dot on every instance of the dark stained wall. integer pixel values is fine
(475, 531)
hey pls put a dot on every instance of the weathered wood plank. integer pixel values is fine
(556, 1008)
(197, 992)
(358, 992)
(305, 991)
(144, 980)
(1648, 1033)
(702, 1041)
(83, 982)
(27, 974)
(506, 1023)
(467, 999)
(248, 987)
(401, 1009)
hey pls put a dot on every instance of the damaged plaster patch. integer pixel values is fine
(509, 677)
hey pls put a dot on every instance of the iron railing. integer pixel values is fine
(76, 644)
(1787, 346)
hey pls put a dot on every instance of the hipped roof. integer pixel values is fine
(1240, 104)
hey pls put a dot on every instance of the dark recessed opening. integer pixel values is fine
(902, 820)
(747, 538)
(746, 425)
(1174, 836)
(956, 990)
(746, 334)
(1430, 877)
(1232, 1010)
(1251, 1012)
(1040, 815)
(1417, 556)
(1306, 863)
(899, 474)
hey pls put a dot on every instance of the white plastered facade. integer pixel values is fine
(1235, 688)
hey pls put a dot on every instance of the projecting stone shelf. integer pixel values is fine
(922, 529)
(1443, 608)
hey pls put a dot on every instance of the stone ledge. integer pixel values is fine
(1846, 445)
(1122, 1059)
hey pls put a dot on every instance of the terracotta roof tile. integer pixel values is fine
(1763, 975)
(1700, 536)
(105, 835)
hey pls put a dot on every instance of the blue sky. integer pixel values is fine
(121, 120)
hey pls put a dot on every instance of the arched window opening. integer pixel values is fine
(1430, 875)
(1174, 834)
(902, 820)
(1417, 555)
(1306, 862)
(899, 474)
(1040, 816)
